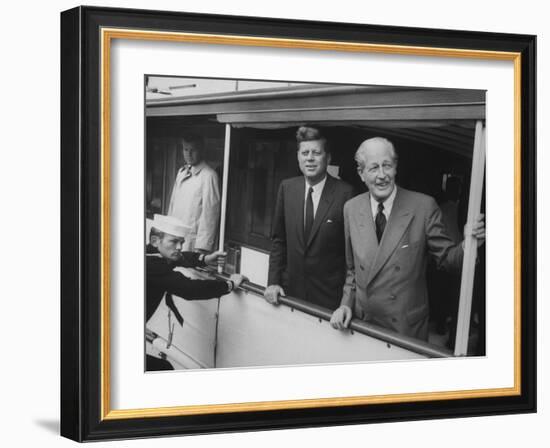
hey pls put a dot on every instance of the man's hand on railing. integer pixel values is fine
(341, 317)
(272, 293)
(237, 279)
(150, 335)
(477, 230)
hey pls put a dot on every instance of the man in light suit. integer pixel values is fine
(307, 258)
(390, 232)
(195, 197)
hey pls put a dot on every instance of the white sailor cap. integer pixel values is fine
(171, 225)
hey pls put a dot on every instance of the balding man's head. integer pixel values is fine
(377, 166)
(374, 144)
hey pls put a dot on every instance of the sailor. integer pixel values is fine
(164, 253)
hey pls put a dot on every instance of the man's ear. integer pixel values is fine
(154, 240)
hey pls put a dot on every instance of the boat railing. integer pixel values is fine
(390, 337)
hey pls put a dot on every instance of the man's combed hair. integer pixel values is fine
(194, 139)
(309, 134)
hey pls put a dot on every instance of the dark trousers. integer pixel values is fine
(154, 364)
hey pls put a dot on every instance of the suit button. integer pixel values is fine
(397, 268)
(394, 319)
(393, 297)
(362, 268)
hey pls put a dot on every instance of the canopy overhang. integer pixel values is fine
(328, 104)
(440, 117)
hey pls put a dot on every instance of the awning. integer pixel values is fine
(440, 117)
(325, 104)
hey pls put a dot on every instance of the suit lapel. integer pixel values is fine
(298, 192)
(400, 218)
(183, 174)
(367, 233)
(325, 201)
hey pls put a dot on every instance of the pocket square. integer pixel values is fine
(404, 246)
(329, 220)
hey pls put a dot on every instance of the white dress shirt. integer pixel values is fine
(315, 196)
(388, 205)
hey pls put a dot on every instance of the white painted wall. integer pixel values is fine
(251, 332)
(30, 204)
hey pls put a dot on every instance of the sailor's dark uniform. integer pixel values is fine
(161, 279)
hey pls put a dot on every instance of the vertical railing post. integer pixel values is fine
(225, 183)
(470, 243)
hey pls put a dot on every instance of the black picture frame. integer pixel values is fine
(83, 407)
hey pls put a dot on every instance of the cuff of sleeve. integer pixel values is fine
(347, 301)
(230, 285)
(201, 259)
(348, 307)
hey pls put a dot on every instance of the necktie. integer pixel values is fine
(380, 221)
(186, 173)
(309, 214)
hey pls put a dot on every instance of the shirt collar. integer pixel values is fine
(388, 203)
(195, 169)
(317, 188)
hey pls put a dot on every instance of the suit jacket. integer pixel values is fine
(313, 270)
(386, 282)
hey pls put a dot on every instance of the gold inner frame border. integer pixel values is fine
(107, 35)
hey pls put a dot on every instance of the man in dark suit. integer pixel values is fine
(390, 232)
(307, 258)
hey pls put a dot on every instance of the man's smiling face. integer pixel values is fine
(378, 169)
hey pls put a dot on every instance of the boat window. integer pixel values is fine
(433, 130)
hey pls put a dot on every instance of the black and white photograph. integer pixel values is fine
(291, 223)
